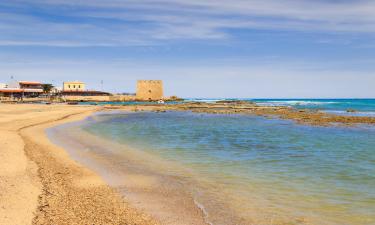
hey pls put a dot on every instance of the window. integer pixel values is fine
(79, 86)
(69, 86)
(74, 86)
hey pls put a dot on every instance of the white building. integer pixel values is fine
(23, 88)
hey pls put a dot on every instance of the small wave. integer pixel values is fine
(294, 103)
(205, 213)
(204, 100)
(358, 113)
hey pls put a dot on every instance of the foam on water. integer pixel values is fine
(365, 105)
(294, 103)
(346, 113)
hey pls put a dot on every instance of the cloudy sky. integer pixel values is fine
(200, 48)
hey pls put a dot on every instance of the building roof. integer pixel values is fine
(19, 90)
(72, 82)
(29, 82)
(11, 90)
(88, 92)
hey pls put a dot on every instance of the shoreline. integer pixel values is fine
(45, 185)
(301, 116)
(213, 213)
(54, 188)
(132, 173)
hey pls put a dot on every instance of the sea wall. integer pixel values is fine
(114, 98)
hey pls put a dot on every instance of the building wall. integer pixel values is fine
(149, 90)
(14, 84)
(3, 85)
(30, 85)
(74, 86)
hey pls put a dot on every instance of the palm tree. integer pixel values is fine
(47, 88)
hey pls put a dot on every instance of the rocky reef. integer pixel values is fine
(305, 116)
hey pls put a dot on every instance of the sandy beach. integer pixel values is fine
(40, 184)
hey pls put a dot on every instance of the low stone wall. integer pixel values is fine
(113, 98)
(86, 98)
(122, 98)
(5, 99)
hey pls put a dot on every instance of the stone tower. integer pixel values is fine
(149, 90)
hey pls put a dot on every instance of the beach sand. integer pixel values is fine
(40, 184)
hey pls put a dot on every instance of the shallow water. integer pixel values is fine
(361, 107)
(240, 169)
(327, 104)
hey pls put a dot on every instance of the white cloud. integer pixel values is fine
(145, 22)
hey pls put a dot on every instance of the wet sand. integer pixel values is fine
(41, 184)
(136, 175)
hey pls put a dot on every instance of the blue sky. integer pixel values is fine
(200, 48)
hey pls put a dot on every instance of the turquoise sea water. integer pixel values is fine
(364, 107)
(334, 104)
(252, 170)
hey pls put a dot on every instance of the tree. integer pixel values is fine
(47, 88)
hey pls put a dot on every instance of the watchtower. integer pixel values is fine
(149, 90)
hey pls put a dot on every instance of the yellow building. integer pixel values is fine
(74, 86)
(149, 90)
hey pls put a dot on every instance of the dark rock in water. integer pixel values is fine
(351, 110)
(175, 99)
(237, 102)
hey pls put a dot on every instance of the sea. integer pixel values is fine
(233, 169)
(352, 107)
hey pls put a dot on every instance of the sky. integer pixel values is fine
(199, 48)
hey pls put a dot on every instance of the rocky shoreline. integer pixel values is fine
(303, 116)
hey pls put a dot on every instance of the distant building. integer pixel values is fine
(11, 92)
(31, 86)
(85, 93)
(74, 86)
(76, 91)
(3, 85)
(21, 89)
(149, 90)
(56, 90)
